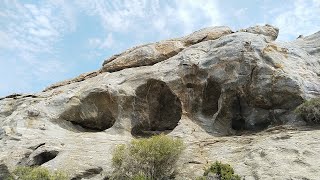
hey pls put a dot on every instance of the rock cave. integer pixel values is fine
(95, 112)
(157, 109)
(239, 90)
(44, 157)
(210, 99)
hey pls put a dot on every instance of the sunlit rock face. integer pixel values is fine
(229, 95)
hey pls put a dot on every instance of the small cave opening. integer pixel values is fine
(44, 157)
(190, 86)
(156, 110)
(238, 124)
(210, 99)
(93, 113)
(246, 120)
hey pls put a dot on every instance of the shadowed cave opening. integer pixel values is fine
(238, 124)
(241, 120)
(157, 109)
(44, 157)
(190, 85)
(210, 99)
(93, 113)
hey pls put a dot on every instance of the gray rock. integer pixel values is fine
(270, 32)
(143, 56)
(208, 84)
(212, 176)
(4, 172)
(209, 33)
(150, 54)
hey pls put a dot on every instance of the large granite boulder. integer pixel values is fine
(150, 54)
(212, 83)
(270, 32)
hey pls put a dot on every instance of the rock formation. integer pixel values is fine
(229, 95)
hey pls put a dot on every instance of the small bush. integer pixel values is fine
(140, 176)
(310, 111)
(38, 173)
(146, 159)
(221, 171)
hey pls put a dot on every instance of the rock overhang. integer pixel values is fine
(224, 84)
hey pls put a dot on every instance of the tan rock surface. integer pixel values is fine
(235, 84)
(153, 53)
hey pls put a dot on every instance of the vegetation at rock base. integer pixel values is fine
(36, 173)
(140, 176)
(220, 171)
(147, 158)
(310, 111)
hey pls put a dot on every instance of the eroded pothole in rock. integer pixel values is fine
(37, 158)
(94, 112)
(210, 99)
(156, 109)
(44, 157)
(246, 119)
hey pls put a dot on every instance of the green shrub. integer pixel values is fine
(310, 111)
(38, 173)
(147, 158)
(140, 176)
(201, 178)
(222, 171)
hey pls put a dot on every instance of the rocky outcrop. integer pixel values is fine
(209, 84)
(80, 78)
(270, 32)
(143, 55)
(150, 54)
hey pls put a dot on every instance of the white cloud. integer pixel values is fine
(108, 42)
(34, 28)
(193, 12)
(302, 18)
(94, 42)
(105, 43)
(165, 17)
(47, 68)
(28, 35)
(4, 39)
(240, 13)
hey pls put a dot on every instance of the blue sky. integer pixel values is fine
(43, 42)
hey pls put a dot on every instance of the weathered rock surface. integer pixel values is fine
(270, 32)
(209, 84)
(150, 54)
(4, 171)
(80, 78)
